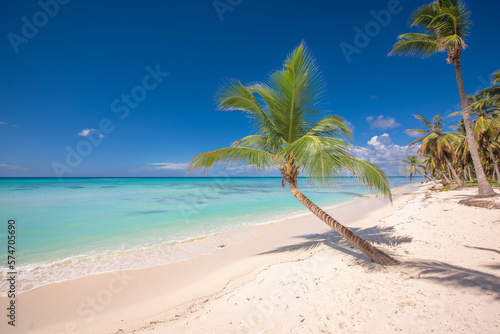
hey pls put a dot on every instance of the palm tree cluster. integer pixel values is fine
(446, 155)
(445, 25)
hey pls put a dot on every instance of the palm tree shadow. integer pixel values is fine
(377, 235)
(455, 276)
(485, 249)
(434, 271)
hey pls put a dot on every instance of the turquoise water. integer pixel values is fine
(89, 225)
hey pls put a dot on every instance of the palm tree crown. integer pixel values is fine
(288, 137)
(414, 165)
(445, 23)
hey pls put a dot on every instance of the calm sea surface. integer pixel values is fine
(68, 228)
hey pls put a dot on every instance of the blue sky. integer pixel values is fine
(129, 85)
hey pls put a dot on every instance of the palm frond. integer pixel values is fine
(331, 126)
(423, 120)
(370, 175)
(415, 44)
(255, 158)
(496, 77)
(424, 15)
(319, 157)
(296, 91)
(235, 96)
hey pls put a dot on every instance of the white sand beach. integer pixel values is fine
(298, 276)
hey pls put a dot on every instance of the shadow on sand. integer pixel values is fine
(455, 276)
(377, 235)
(431, 270)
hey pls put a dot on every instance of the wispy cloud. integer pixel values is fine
(169, 165)
(13, 167)
(86, 132)
(3, 123)
(414, 134)
(382, 123)
(374, 96)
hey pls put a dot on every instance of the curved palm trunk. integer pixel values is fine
(484, 187)
(445, 177)
(454, 172)
(374, 253)
(430, 179)
(495, 164)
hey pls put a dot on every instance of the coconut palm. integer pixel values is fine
(446, 24)
(289, 137)
(414, 165)
(438, 144)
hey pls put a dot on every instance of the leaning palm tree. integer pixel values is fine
(436, 143)
(290, 138)
(414, 165)
(446, 24)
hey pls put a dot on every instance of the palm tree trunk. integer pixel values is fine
(430, 179)
(484, 187)
(494, 159)
(470, 174)
(454, 172)
(447, 179)
(374, 253)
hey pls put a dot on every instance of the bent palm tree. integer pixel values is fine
(446, 24)
(437, 143)
(414, 165)
(289, 139)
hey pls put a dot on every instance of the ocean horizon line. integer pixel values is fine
(179, 177)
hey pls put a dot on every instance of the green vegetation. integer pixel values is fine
(445, 25)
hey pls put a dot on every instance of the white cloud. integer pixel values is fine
(382, 123)
(3, 123)
(169, 165)
(414, 134)
(14, 167)
(385, 154)
(379, 140)
(86, 132)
